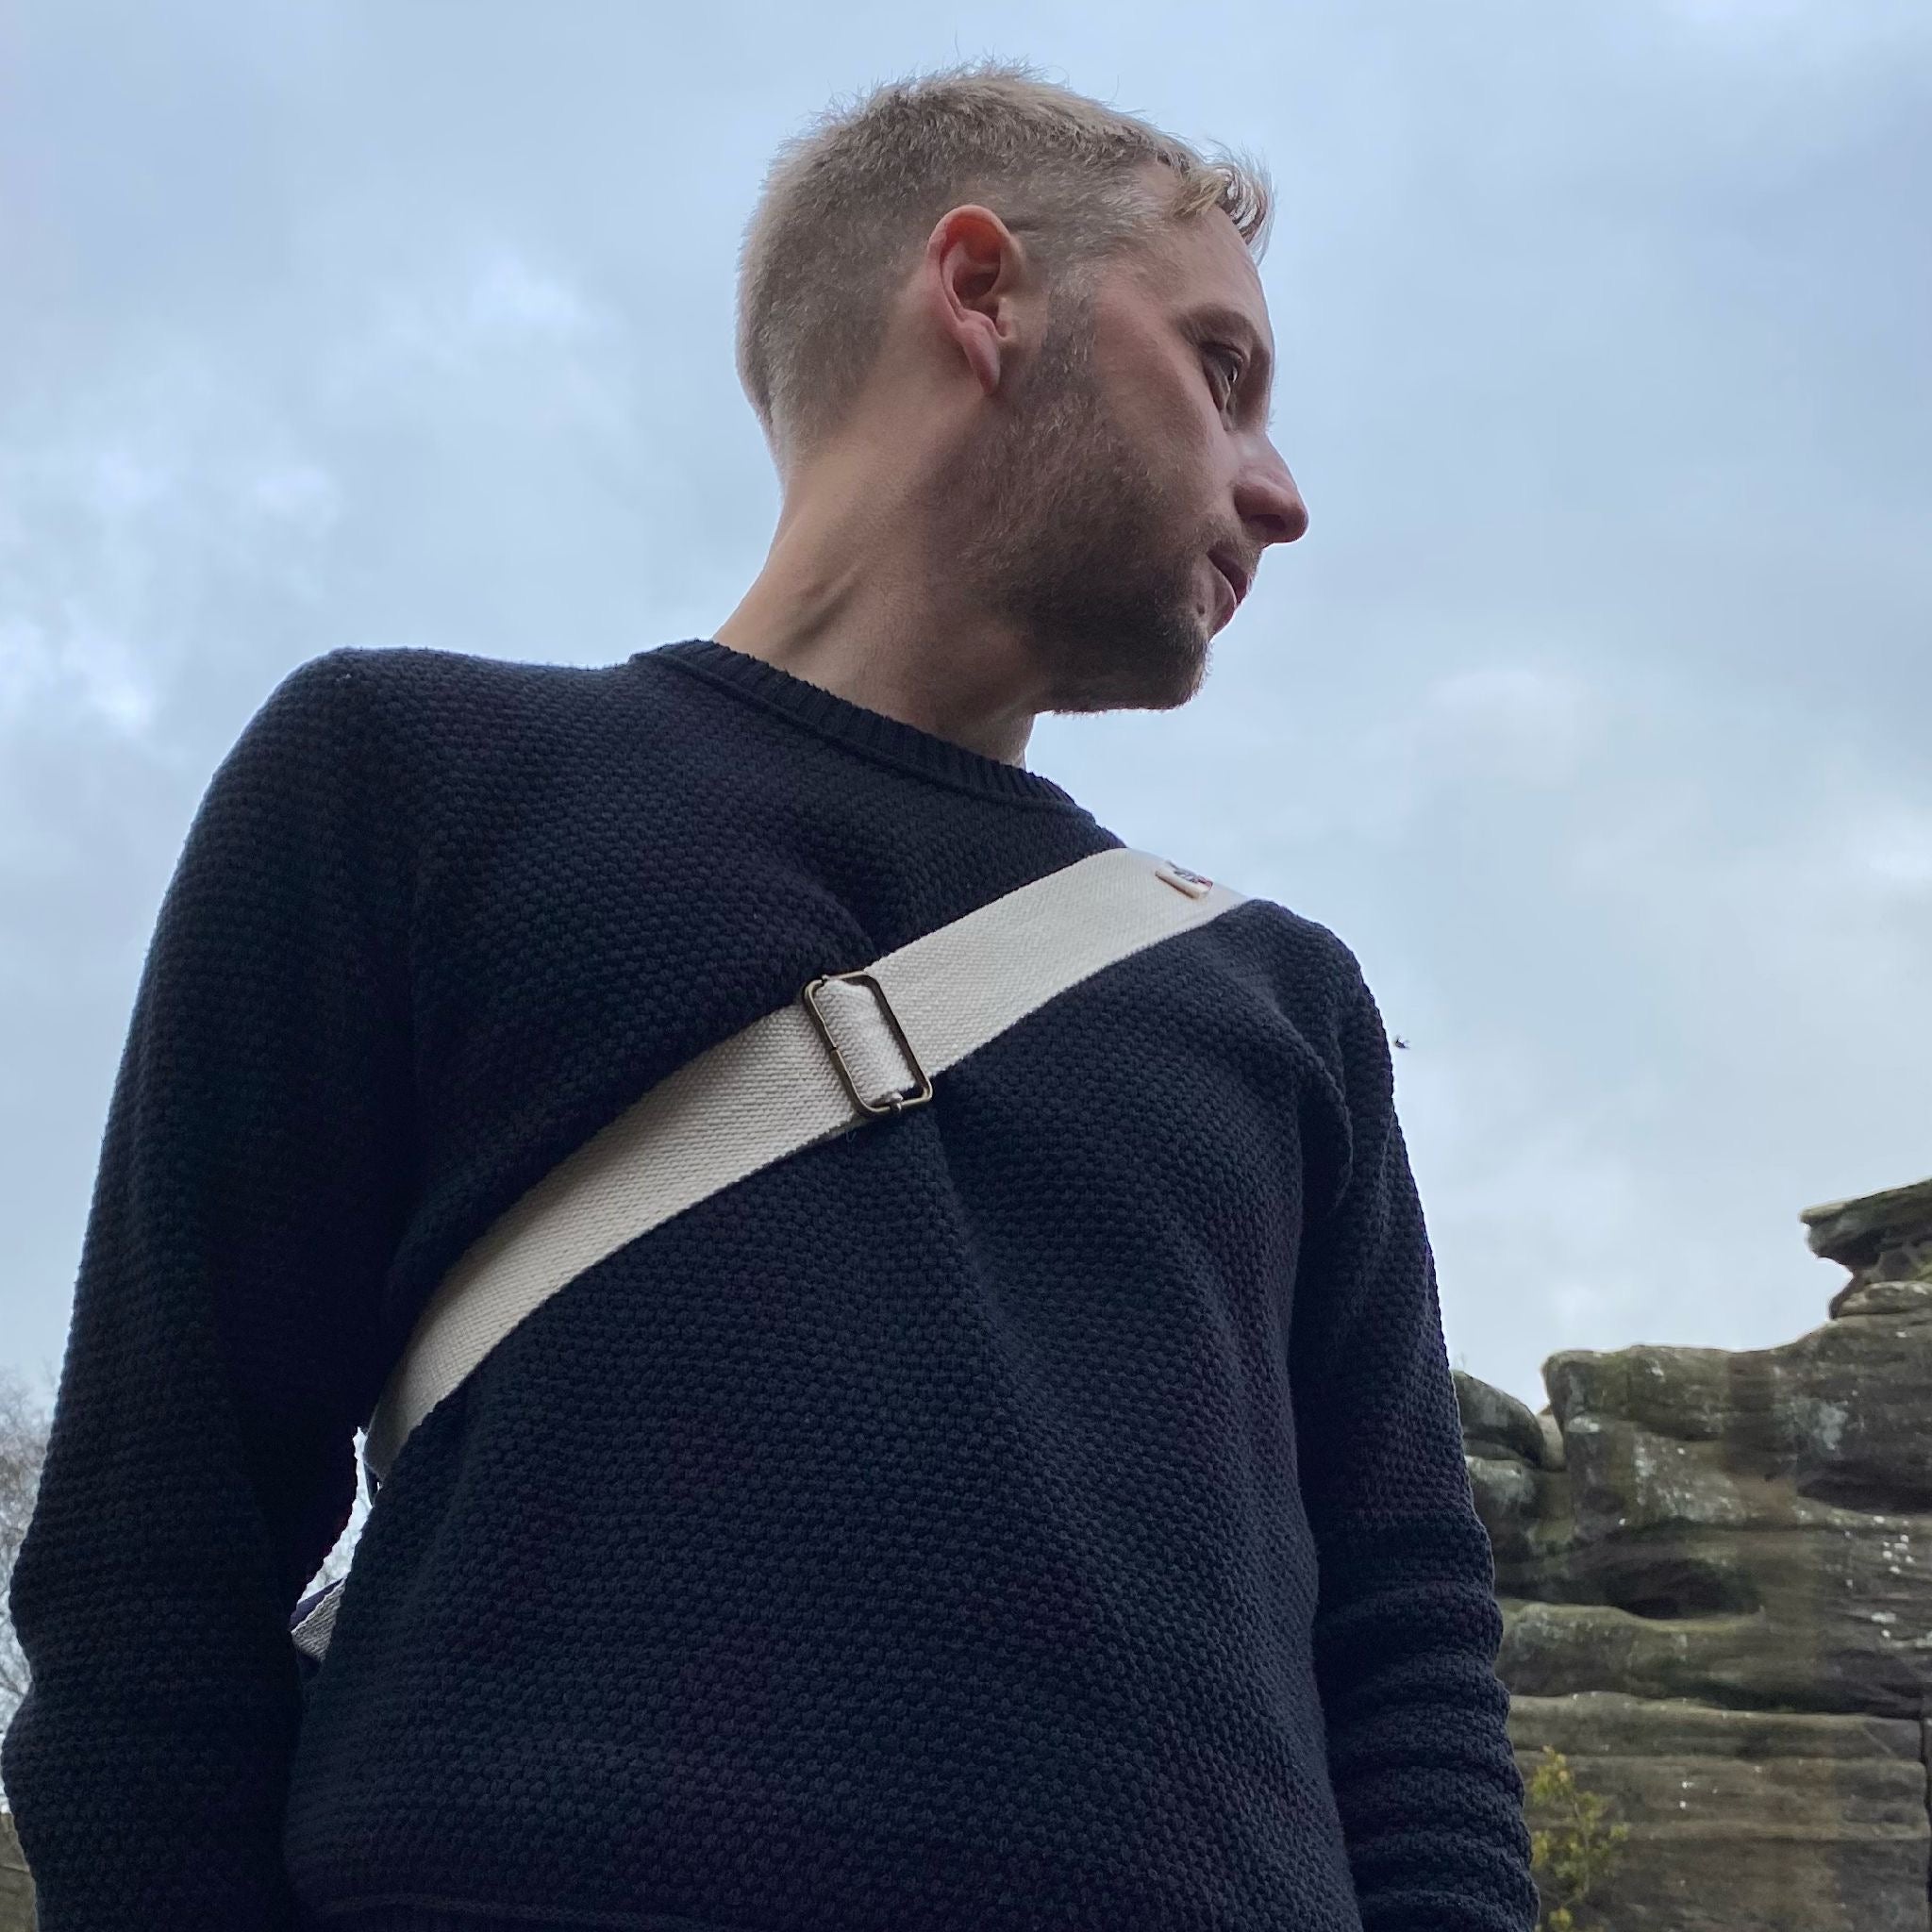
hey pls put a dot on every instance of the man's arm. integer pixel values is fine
(1408, 1628)
(222, 1342)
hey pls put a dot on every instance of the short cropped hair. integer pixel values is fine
(847, 205)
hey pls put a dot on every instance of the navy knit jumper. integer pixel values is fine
(1043, 1509)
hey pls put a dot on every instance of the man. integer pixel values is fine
(1043, 1509)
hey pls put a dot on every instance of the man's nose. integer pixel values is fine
(1271, 501)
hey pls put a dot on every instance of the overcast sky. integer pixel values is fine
(1591, 711)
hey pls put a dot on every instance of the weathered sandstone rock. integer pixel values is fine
(16, 1888)
(1883, 1236)
(1715, 1570)
(1743, 1821)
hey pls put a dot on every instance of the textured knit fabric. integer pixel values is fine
(1043, 1509)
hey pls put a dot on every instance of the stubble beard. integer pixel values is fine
(1060, 529)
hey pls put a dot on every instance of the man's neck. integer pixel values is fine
(860, 621)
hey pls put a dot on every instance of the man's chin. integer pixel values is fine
(1153, 682)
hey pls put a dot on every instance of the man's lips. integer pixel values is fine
(1230, 573)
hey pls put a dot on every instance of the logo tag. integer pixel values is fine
(1182, 880)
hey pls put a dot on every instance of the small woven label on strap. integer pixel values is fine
(1182, 880)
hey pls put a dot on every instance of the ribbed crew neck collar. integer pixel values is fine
(868, 732)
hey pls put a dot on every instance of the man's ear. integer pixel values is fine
(973, 270)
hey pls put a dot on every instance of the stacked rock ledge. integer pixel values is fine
(1715, 1572)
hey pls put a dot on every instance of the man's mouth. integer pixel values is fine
(1232, 573)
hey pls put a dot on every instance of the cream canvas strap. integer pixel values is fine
(852, 1046)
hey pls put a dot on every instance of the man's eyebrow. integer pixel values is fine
(1229, 321)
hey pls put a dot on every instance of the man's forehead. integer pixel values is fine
(1203, 274)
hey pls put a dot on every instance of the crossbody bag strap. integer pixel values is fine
(852, 1046)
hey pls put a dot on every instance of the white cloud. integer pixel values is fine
(1488, 733)
(1895, 852)
(1847, 28)
(510, 297)
(120, 482)
(1514, 724)
(472, 323)
(301, 495)
(139, 524)
(68, 666)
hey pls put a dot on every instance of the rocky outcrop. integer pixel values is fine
(16, 1888)
(1715, 1570)
(1744, 1818)
(1883, 1236)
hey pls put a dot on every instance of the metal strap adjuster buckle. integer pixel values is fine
(898, 1102)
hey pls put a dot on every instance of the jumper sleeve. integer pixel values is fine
(222, 1345)
(1407, 1628)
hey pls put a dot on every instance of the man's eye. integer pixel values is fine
(1235, 365)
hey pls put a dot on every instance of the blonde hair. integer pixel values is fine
(847, 205)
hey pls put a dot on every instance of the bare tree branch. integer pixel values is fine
(25, 1423)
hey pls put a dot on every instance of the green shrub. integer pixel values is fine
(1571, 1848)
